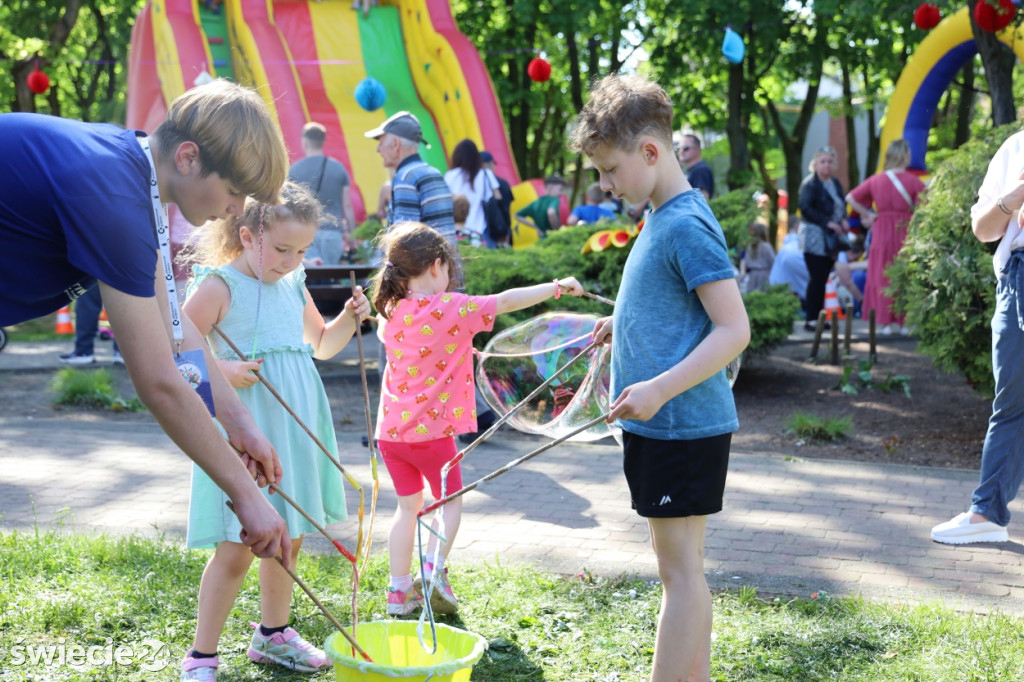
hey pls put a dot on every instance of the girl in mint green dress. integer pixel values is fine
(249, 281)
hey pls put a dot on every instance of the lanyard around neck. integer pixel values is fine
(163, 235)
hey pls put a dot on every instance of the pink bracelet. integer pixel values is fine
(558, 290)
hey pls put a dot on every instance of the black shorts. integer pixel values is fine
(674, 478)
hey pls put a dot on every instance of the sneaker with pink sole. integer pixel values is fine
(199, 669)
(442, 598)
(402, 603)
(288, 650)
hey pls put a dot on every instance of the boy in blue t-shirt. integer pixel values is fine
(678, 321)
(79, 206)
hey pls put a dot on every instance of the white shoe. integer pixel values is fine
(885, 331)
(118, 358)
(73, 358)
(960, 531)
(905, 331)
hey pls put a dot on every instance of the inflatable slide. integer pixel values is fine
(306, 57)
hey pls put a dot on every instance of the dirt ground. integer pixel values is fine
(941, 424)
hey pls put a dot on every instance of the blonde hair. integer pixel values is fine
(409, 250)
(823, 151)
(897, 154)
(219, 242)
(621, 110)
(237, 137)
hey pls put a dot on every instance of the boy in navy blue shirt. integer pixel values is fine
(678, 321)
(79, 205)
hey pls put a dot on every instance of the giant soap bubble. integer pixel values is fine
(518, 360)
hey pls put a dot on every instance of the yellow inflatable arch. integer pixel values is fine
(928, 73)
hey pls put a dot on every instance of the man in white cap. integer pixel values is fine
(418, 190)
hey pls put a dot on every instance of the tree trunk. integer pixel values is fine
(737, 125)
(965, 107)
(998, 60)
(24, 99)
(852, 167)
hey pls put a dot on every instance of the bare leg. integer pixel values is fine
(276, 590)
(403, 534)
(218, 589)
(683, 642)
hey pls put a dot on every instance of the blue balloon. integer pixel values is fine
(733, 47)
(370, 94)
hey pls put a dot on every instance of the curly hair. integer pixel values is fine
(218, 242)
(621, 110)
(409, 250)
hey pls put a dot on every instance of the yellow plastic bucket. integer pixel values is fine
(397, 653)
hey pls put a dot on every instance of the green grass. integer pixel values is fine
(815, 429)
(74, 589)
(39, 329)
(91, 388)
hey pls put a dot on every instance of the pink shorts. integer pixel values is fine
(410, 463)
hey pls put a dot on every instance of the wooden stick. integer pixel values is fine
(330, 616)
(369, 434)
(602, 299)
(352, 481)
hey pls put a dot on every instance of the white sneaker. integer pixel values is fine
(960, 531)
(905, 331)
(73, 358)
(885, 331)
(118, 358)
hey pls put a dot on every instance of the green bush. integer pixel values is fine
(91, 389)
(490, 271)
(943, 278)
(771, 314)
(736, 211)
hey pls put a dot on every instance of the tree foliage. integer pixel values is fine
(943, 278)
(82, 45)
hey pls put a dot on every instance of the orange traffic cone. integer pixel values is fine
(64, 325)
(103, 315)
(832, 300)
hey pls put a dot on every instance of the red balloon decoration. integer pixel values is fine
(992, 18)
(539, 70)
(38, 82)
(927, 16)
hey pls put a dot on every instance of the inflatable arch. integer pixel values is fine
(924, 79)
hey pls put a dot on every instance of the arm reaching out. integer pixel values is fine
(141, 325)
(524, 297)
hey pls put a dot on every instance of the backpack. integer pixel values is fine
(496, 219)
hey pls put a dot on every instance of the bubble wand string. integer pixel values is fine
(309, 592)
(348, 477)
(369, 431)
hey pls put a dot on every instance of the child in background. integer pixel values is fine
(543, 212)
(248, 281)
(678, 321)
(427, 397)
(591, 211)
(460, 211)
(756, 263)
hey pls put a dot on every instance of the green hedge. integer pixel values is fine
(943, 278)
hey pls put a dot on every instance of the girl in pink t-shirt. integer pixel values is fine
(427, 394)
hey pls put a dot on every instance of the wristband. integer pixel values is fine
(1003, 207)
(558, 290)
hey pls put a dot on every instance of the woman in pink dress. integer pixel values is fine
(893, 195)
